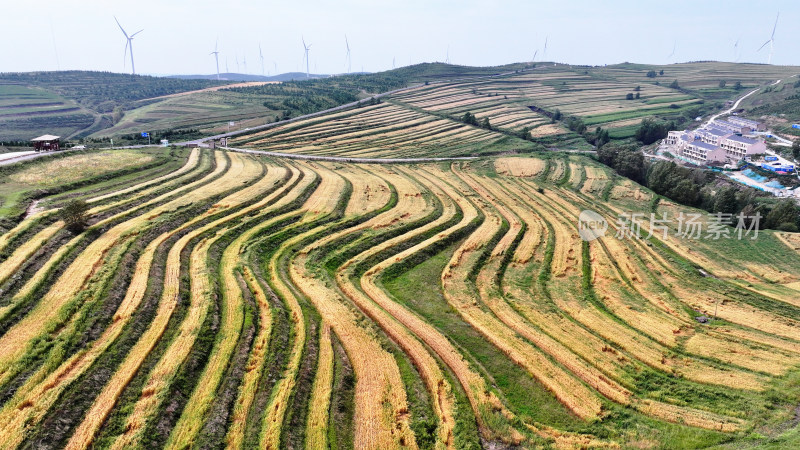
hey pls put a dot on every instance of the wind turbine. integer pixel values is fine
(306, 48)
(226, 65)
(238, 70)
(261, 55)
(544, 53)
(447, 59)
(674, 45)
(216, 57)
(128, 45)
(244, 63)
(771, 40)
(393, 66)
(347, 57)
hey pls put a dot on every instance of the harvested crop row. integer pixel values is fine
(491, 296)
(488, 410)
(317, 422)
(411, 208)
(103, 404)
(381, 410)
(232, 316)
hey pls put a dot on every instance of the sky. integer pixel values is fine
(179, 34)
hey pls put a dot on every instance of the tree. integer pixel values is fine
(725, 201)
(116, 116)
(738, 85)
(638, 96)
(75, 215)
(661, 72)
(651, 74)
(674, 85)
(557, 115)
(785, 216)
(469, 119)
(629, 96)
(796, 149)
(723, 83)
(651, 130)
(485, 123)
(525, 133)
(637, 88)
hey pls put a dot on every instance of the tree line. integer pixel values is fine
(699, 188)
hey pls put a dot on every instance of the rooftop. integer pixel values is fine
(46, 137)
(741, 139)
(704, 146)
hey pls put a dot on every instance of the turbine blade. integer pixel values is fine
(775, 26)
(764, 45)
(120, 26)
(134, 34)
(125, 53)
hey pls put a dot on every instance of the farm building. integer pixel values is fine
(46, 143)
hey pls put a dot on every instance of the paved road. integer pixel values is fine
(733, 108)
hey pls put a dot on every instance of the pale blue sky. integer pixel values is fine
(179, 34)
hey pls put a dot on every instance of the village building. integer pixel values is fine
(46, 143)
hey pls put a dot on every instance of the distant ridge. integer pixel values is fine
(289, 76)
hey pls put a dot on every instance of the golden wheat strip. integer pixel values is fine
(635, 343)
(191, 162)
(101, 407)
(25, 251)
(47, 313)
(381, 412)
(457, 291)
(381, 419)
(438, 387)
(253, 371)
(663, 322)
(491, 297)
(317, 422)
(18, 412)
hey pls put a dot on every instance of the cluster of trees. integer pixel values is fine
(652, 130)
(470, 119)
(631, 96)
(626, 160)
(575, 124)
(698, 188)
(723, 84)
(796, 149)
(652, 73)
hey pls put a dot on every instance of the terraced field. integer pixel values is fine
(427, 120)
(231, 300)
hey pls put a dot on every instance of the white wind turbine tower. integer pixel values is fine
(261, 55)
(238, 69)
(244, 63)
(306, 48)
(128, 45)
(393, 66)
(216, 57)
(447, 59)
(771, 40)
(347, 57)
(544, 53)
(674, 45)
